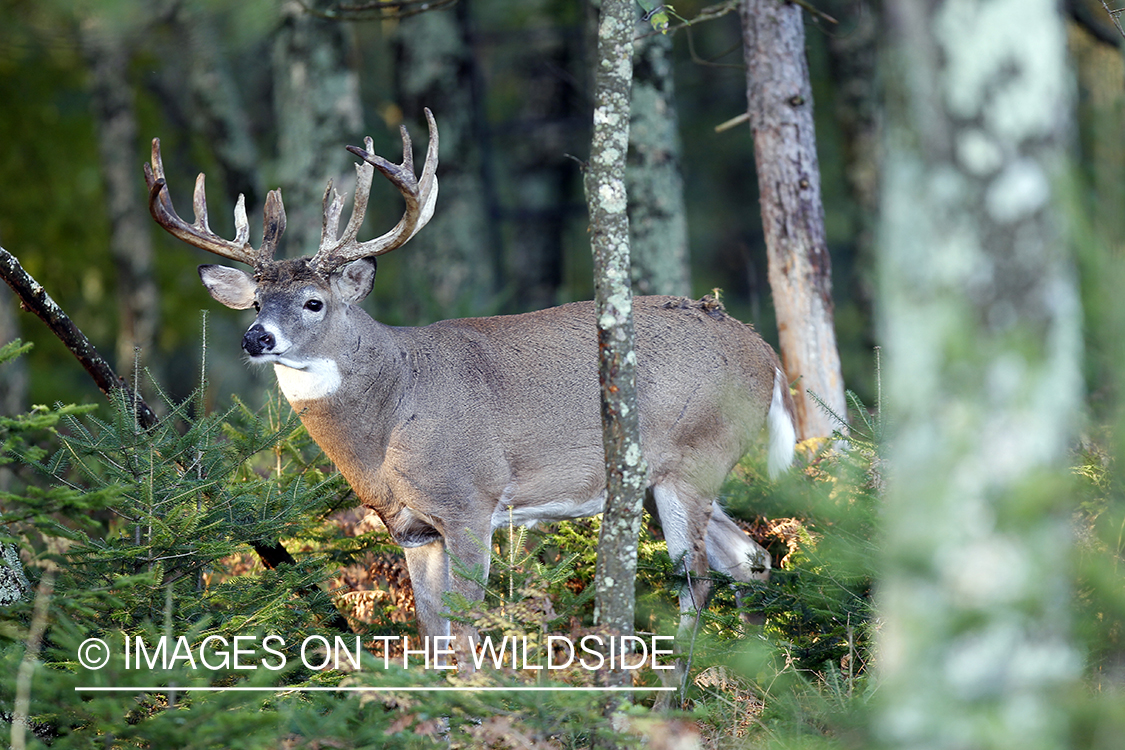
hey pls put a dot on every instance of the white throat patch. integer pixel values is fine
(317, 378)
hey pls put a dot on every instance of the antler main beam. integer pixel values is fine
(199, 234)
(420, 195)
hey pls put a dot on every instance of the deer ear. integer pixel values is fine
(354, 281)
(230, 286)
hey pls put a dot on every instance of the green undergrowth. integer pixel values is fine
(128, 534)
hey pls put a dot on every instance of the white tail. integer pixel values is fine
(449, 430)
(783, 433)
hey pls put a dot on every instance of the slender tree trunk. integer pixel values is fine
(657, 218)
(108, 54)
(218, 110)
(605, 191)
(316, 99)
(800, 271)
(451, 262)
(13, 374)
(540, 172)
(980, 321)
(853, 63)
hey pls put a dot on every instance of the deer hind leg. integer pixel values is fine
(684, 519)
(732, 552)
(428, 566)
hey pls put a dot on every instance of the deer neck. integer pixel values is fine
(348, 400)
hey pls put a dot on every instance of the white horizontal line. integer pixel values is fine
(382, 689)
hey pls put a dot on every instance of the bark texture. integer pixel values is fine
(657, 217)
(980, 321)
(800, 271)
(605, 190)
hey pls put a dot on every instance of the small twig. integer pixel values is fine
(732, 122)
(1114, 16)
(718, 10)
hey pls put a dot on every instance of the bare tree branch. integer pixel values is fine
(34, 298)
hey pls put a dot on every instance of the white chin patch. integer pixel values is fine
(315, 379)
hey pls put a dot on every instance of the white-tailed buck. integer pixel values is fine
(449, 431)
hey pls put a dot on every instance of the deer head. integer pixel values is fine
(295, 298)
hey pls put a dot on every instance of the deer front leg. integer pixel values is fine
(470, 548)
(428, 566)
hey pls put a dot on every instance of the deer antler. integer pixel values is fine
(420, 195)
(199, 233)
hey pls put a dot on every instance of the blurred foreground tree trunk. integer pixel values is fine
(980, 320)
(779, 96)
(657, 217)
(616, 569)
(108, 50)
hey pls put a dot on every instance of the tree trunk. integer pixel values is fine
(540, 173)
(108, 54)
(13, 374)
(218, 110)
(657, 218)
(980, 320)
(605, 191)
(450, 264)
(316, 99)
(800, 271)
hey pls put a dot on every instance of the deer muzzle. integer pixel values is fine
(258, 341)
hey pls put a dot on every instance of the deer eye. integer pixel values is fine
(314, 305)
(257, 306)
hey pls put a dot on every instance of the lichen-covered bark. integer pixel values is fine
(605, 191)
(800, 271)
(316, 98)
(980, 323)
(657, 218)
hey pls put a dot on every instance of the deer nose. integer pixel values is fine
(258, 340)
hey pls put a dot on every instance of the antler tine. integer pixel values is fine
(420, 197)
(199, 204)
(199, 234)
(364, 173)
(273, 221)
(330, 226)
